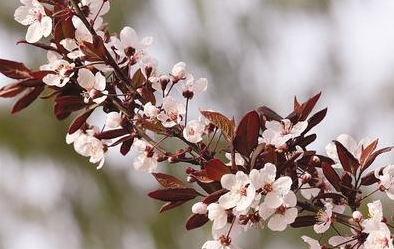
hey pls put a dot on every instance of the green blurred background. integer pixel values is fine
(253, 53)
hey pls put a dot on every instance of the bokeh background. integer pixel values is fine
(253, 52)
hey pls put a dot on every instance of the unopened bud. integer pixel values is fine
(306, 177)
(357, 216)
(199, 208)
(172, 159)
(179, 71)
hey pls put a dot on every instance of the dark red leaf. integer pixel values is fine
(79, 121)
(14, 70)
(196, 220)
(369, 179)
(174, 194)
(214, 197)
(222, 122)
(315, 120)
(331, 176)
(28, 98)
(348, 162)
(268, 114)
(170, 205)
(247, 134)
(308, 106)
(366, 152)
(111, 134)
(304, 221)
(215, 169)
(374, 155)
(11, 90)
(126, 146)
(168, 181)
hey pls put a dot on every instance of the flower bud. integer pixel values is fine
(179, 71)
(357, 216)
(199, 208)
(306, 177)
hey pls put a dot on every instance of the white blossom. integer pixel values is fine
(93, 84)
(218, 215)
(199, 208)
(242, 192)
(323, 219)
(278, 133)
(386, 180)
(274, 190)
(113, 120)
(192, 87)
(32, 14)
(172, 112)
(379, 239)
(62, 70)
(313, 244)
(219, 244)
(178, 72)
(146, 160)
(193, 131)
(73, 48)
(150, 110)
(281, 216)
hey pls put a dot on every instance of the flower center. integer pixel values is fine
(225, 241)
(281, 210)
(267, 188)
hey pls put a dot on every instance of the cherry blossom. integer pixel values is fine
(218, 214)
(178, 72)
(386, 180)
(241, 194)
(274, 190)
(113, 120)
(281, 216)
(73, 48)
(192, 87)
(86, 144)
(324, 219)
(150, 110)
(278, 133)
(146, 160)
(93, 84)
(172, 112)
(193, 131)
(63, 70)
(313, 244)
(32, 14)
(199, 208)
(221, 243)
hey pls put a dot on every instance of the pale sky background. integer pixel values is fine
(253, 53)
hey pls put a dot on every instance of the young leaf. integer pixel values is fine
(374, 155)
(168, 181)
(111, 134)
(247, 134)
(366, 152)
(174, 194)
(348, 162)
(196, 220)
(215, 169)
(222, 122)
(315, 120)
(14, 70)
(331, 176)
(126, 146)
(28, 98)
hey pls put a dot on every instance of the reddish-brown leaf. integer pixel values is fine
(11, 90)
(174, 194)
(215, 169)
(14, 70)
(348, 162)
(222, 122)
(126, 146)
(315, 119)
(247, 134)
(196, 220)
(331, 176)
(308, 106)
(374, 155)
(369, 179)
(111, 134)
(366, 152)
(268, 114)
(27, 98)
(304, 221)
(214, 197)
(79, 121)
(168, 181)
(138, 79)
(170, 205)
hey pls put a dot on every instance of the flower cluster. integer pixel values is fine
(272, 179)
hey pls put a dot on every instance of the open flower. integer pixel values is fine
(173, 112)
(218, 215)
(222, 243)
(93, 84)
(374, 223)
(241, 194)
(193, 131)
(281, 216)
(386, 180)
(274, 190)
(323, 219)
(86, 144)
(192, 87)
(150, 110)
(62, 70)
(350, 144)
(113, 120)
(93, 9)
(313, 244)
(33, 14)
(178, 72)
(130, 46)
(379, 239)
(278, 133)
(146, 160)
(73, 48)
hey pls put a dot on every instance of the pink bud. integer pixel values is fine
(357, 216)
(199, 208)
